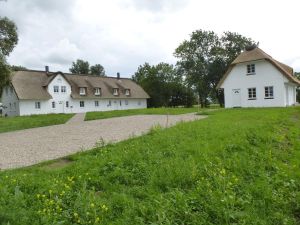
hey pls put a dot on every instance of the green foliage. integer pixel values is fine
(235, 167)
(130, 112)
(80, 67)
(4, 73)
(164, 85)
(297, 74)
(25, 122)
(8, 36)
(83, 67)
(205, 58)
(17, 68)
(97, 70)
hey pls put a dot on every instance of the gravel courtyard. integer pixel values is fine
(31, 146)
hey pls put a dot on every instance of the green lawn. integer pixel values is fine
(238, 166)
(130, 112)
(25, 122)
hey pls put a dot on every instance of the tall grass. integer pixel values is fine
(235, 167)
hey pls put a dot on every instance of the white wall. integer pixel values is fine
(266, 75)
(10, 102)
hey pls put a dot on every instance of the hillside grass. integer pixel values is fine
(25, 122)
(147, 111)
(237, 166)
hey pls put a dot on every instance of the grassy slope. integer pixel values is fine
(235, 167)
(130, 112)
(25, 122)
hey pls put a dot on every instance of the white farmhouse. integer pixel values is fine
(255, 79)
(43, 92)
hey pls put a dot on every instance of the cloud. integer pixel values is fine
(160, 5)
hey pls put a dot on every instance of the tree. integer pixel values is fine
(97, 70)
(8, 40)
(297, 74)
(205, 58)
(17, 68)
(164, 85)
(8, 36)
(80, 67)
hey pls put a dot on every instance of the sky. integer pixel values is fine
(123, 34)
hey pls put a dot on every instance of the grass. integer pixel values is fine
(237, 166)
(131, 112)
(25, 122)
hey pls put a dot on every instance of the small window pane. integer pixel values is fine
(56, 89)
(96, 103)
(53, 105)
(81, 104)
(63, 89)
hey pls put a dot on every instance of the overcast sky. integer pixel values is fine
(123, 34)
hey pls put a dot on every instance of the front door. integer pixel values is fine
(236, 98)
(60, 107)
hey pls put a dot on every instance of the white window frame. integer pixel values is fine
(269, 92)
(96, 103)
(81, 104)
(116, 91)
(82, 91)
(251, 69)
(98, 91)
(56, 89)
(127, 92)
(53, 105)
(37, 105)
(63, 89)
(252, 93)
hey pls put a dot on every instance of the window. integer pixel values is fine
(63, 89)
(56, 89)
(116, 91)
(59, 80)
(10, 106)
(126, 102)
(120, 103)
(97, 91)
(269, 93)
(127, 92)
(67, 104)
(38, 105)
(81, 103)
(53, 105)
(96, 103)
(109, 103)
(139, 103)
(251, 93)
(82, 91)
(15, 105)
(251, 69)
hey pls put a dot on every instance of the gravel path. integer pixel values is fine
(31, 146)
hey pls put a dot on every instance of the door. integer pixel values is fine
(236, 98)
(60, 107)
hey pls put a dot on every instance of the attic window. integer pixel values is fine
(116, 91)
(82, 91)
(97, 91)
(250, 69)
(127, 92)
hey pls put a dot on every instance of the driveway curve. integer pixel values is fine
(31, 146)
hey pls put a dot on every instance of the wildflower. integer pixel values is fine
(97, 220)
(223, 172)
(104, 207)
(92, 205)
(38, 195)
(75, 214)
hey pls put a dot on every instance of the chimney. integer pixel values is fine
(47, 69)
(118, 76)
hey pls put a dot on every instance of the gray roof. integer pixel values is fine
(30, 85)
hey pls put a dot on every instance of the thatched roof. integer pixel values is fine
(258, 54)
(31, 85)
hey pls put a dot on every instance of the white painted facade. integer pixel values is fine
(237, 84)
(62, 102)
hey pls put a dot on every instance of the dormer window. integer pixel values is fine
(116, 91)
(97, 91)
(82, 91)
(127, 92)
(56, 89)
(250, 69)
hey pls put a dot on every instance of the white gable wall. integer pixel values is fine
(10, 102)
(265, 75)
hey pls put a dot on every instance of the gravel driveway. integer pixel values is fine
(31, 146)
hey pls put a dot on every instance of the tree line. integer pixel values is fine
(202, 61)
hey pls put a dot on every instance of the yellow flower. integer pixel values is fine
(92, 205)
(97, 220)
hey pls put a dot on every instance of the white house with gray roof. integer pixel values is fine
(255, 79)
(41, 92)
